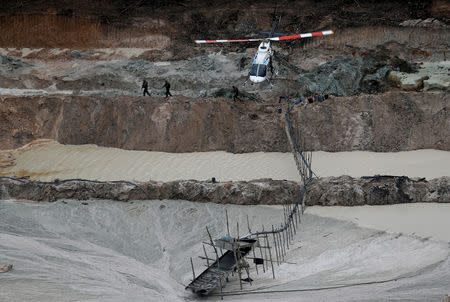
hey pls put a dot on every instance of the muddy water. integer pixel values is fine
(53, 160)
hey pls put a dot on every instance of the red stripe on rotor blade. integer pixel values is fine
(319, 33)
(290, 37)
(210, 41)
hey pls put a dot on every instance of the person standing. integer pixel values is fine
(167, 86)
(145, 87)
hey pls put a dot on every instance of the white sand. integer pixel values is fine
(46, 162)
(421, 219)
(30, 92)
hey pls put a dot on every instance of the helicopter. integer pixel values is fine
(263, 57)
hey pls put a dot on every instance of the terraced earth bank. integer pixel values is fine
(71, 107)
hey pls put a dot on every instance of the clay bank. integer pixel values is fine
(393, 121)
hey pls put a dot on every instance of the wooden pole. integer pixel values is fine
(193, 272)
(221, 287)
(270, 255)
(253, 249)
(260, 250)
(237, 262)
(293, 225)
(228, 227)
(265, 250)
(291, 230)
(215, 250)
(281, 246)
(206, 255)
(275, 244)
(286, 237)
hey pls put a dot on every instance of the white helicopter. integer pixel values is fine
(263, 57)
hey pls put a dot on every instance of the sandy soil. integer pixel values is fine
(52, 160)
(113, 251)
(420, 219)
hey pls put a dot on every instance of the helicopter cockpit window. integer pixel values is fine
(258, 70)
(254, 70)
(262, 70)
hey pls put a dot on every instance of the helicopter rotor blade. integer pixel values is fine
(227, 41)
(301, 36)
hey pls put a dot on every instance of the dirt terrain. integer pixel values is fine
(394, 121)
(74, 74)
(328, 191)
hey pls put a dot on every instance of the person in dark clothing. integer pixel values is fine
(167, 86)
(145, 87)
(235, 93)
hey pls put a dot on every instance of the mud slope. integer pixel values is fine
(395, 121)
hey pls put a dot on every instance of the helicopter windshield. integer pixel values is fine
(254, 70)
(258, 70)
(262, 70)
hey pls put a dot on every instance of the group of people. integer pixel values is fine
(317, 98)
(166, 85)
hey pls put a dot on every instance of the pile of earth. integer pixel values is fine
(328, 191)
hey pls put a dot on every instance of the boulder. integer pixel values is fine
(407, 81)
(75, 54)
(437, 82)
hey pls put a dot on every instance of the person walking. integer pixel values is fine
(167, 86)
(235, 94)
(145, 87)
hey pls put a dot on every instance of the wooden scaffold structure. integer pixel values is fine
(255, 246)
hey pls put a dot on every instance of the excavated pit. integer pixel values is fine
(387, 73)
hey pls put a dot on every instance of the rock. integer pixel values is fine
(75, 54)
(5, 268)
(437, 82)
(407, 81)
(430, 22)
(343, 190)
(377, 190)
(373, 83)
